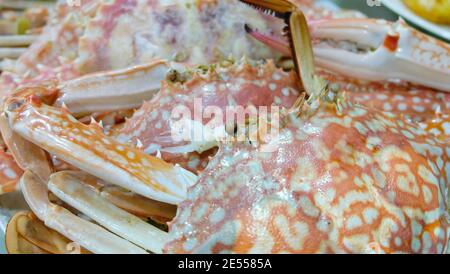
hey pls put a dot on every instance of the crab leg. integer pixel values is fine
(115, 90)
(22, 4)
(87, 148)
(374, 50)
(11, 52)
(14, 241)
(26, 234)
(138, 205)
(16, 40)
(89, 235)
(394, 51)
(9, 173)
(27, 155)
(129, 201)
(69, 187)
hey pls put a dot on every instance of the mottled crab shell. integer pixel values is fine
(416, 103)
(341, 180)
(439, 126)
(126, 32)
(241, 84)
(51, 56)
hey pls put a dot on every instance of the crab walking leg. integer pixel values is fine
(10, 170)
(138, 205)
(115, 90)
(17, 40)
(26, 234)
(9, 173)
(88, 235)
(69, 187)
(11, 52)
(87, 148)
(27, 155)
(16, 243)
(130, 202)
(23, 5)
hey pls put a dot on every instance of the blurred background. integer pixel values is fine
(362, 5)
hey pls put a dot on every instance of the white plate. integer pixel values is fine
(398, 7)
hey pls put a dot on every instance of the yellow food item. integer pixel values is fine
(23, 25)
(437, 11)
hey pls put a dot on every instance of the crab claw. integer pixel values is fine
(378, 50)
(374, 50)
(299, 37)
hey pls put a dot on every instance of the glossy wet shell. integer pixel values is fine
(85, 147)
(439, 126)
(51, 56)
(414, 103)
(126, 32)
(338, 182)
(239, 85)
(10, 173)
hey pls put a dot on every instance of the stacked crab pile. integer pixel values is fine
(360, 163)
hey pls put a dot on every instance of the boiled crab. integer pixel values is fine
(343, 178)
(71, 134)
(393, 175)
(88, 38)
(104, 35)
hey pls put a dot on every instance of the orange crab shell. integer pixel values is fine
(439, 126)
(416, 103)
(348, 181)
(241, 84)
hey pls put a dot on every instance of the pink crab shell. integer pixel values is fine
(126, 32)
(415, 103)
(51, 57)
(352, 180)
(241, 84)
